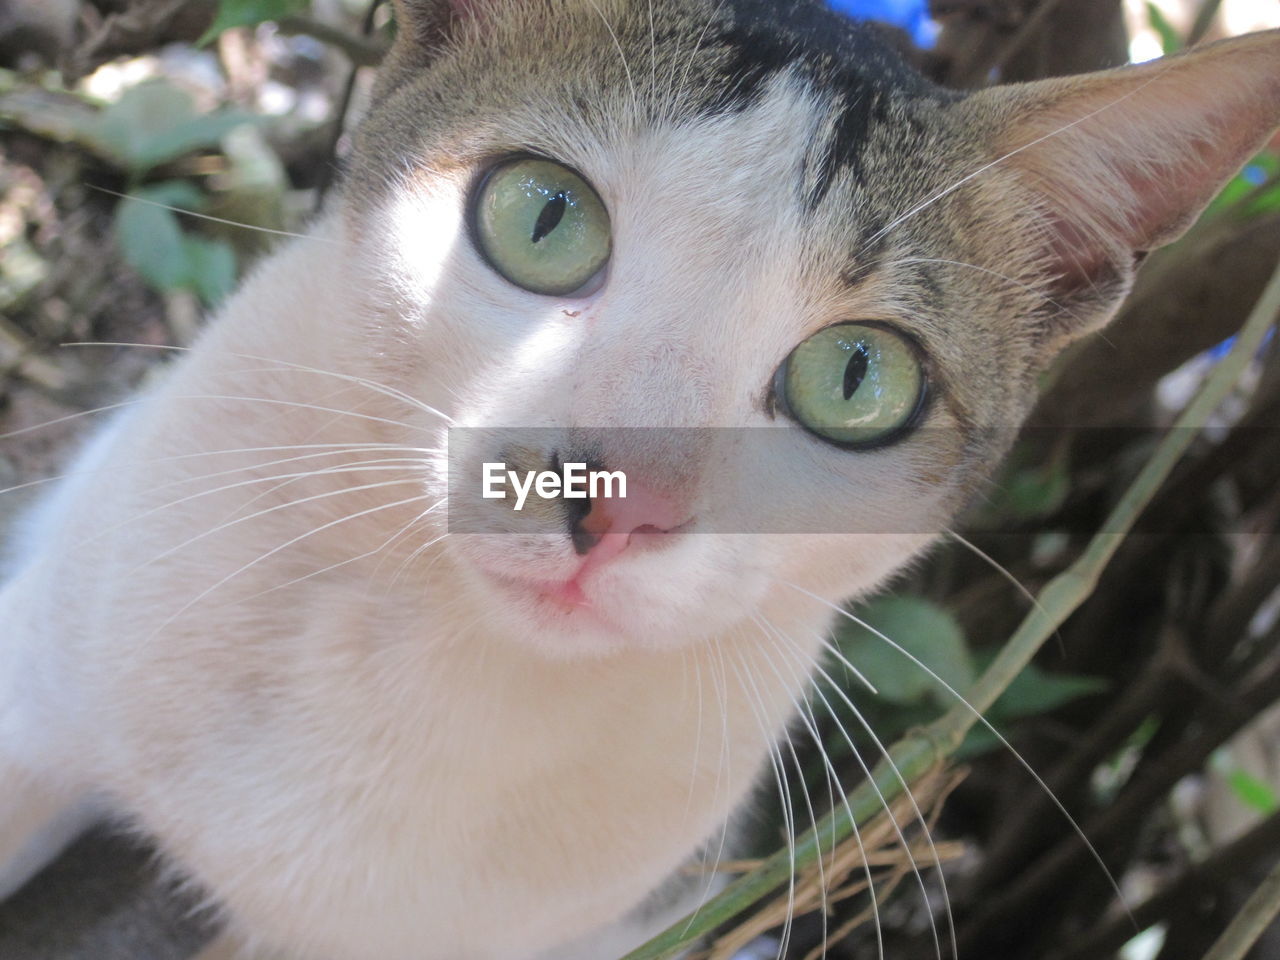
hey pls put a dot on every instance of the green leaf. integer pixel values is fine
(1035, 493)
(173, 193)
(152, 243)
(1253, 793)
(211, 268)
(156, 122)
(248, 13)
(1035, 691)
(1170, 41)
(1244, 186)
(1032, 692)
(925, 630)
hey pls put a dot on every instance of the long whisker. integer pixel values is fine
(211, 219)
(804, 786)
(919, 814)
(409, 561)
(1076, 828)
(270, 553)
(107, 408)
(274, 401)
(833, 779)
(635, 97)
(1004, 572)
(720, 683)
(697, 46)
(282, 506)
(69, 417)
(784, 793)
(994, 273)
(844, 797)
(930, 201)
(697, 744)
(653, 51)
(288, 365)
(356, 467)
(263, 465)
(343, 563)
(331, 449)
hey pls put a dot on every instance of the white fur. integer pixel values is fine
(405, 758)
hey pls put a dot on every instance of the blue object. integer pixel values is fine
(1216, 353)
(1219, 351)
(911, 15)
(1255, 174)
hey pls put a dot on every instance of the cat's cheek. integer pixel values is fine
(850, 565)
(666, 602)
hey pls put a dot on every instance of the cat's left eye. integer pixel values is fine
(855, 385)
(542, 226)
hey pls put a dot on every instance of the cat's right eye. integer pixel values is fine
(855, 385)
(541, 226)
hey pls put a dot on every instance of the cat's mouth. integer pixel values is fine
(558, 601)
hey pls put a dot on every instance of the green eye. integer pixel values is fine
(853, 384)
(541, 226)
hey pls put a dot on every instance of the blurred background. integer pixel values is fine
(150, 151)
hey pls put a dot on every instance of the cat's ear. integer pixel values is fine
(423, 29)
(1120, 162)
(428, 23)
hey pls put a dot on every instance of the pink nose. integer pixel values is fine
(613, 524)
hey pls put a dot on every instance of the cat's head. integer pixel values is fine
(738, 251)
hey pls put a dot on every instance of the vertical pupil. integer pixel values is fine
(550, 216)
(856, 370)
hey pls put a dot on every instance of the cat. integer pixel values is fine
(376, 715)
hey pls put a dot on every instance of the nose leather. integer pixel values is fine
(608, 527)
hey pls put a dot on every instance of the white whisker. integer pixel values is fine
(720, 683)
(212, 219)
(1003, 571)
(280, 506)
(635, 97)
(994, 273)
(270, 553)
(844, 797)
(276, 362)
(906, 787)
(343, 563)
(924, 205)
(1079, 832)
(759, 711)
(830, 772)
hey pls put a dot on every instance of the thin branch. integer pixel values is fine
(361, 50)
(1025, 31)
(1204, 20)
(344, 105)
(1044, 877)
(1222, 866)
(1251, 922)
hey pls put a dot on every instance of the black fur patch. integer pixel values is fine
(848, 60)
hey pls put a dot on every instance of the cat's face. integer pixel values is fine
(775, 301)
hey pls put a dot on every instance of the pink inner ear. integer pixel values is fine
(1166, 200)
(1125, 160)
(1074, 260)
(1142, 206)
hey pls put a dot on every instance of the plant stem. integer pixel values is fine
(361, 50)
(1251, 922)
(1204, 20)
(919, 752)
